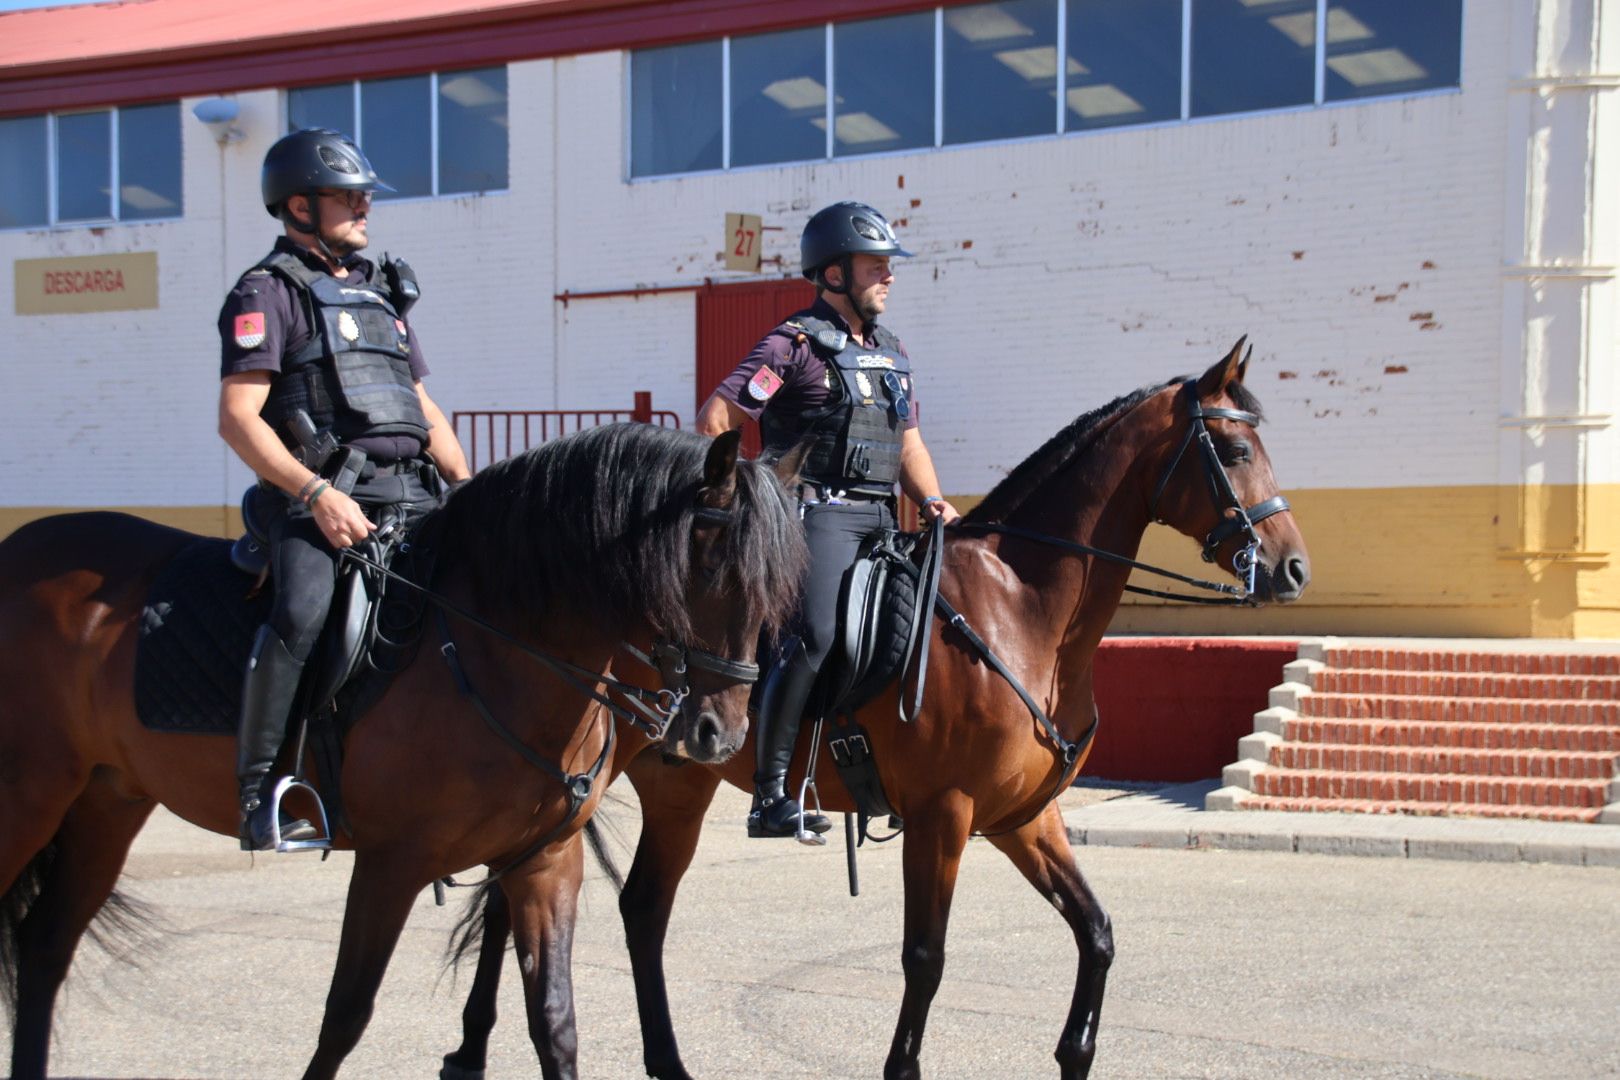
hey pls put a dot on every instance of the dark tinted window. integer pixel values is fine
(675, 109)
(883, 79)
(322, 107)
(1392, 46)
(1252, 54)
(1124, 62)
(84, 166)
(23, 198)
(472, 130)
(779, 97)
(1000, 70)
(396, 133)
(149, 162)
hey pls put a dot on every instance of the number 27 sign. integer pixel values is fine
(742, 242)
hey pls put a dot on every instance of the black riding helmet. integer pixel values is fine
(839, 231)
(312, 159)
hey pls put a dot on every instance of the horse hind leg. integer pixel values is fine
(75, 876)
(1042, 854)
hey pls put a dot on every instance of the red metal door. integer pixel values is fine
(730, 321)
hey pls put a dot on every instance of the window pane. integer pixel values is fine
(883, 79)
(149, 162)
(1252, 54)
(675, 109)
(472, 130)
(1124, 62)
(322, 107)
(779, 97)
(1392, 46)
(84, 166)
(397, 137)
(22, 172)
(1000, 70)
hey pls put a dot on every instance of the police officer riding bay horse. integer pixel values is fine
(1027, 582)
(585, 600)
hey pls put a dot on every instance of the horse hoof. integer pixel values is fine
(451, 1071)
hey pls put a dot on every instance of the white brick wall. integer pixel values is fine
(1360, 247)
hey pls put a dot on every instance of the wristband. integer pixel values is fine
(932, 499)
(320, 489)
(303, 492)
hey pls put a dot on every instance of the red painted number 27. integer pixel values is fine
(745, 243)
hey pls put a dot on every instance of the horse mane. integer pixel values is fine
(1072, 442)
(598, 525)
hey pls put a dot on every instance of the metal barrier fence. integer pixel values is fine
(491, 435)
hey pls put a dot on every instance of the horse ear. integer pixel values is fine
(1224, 371)
(1243, 365)
(720, 467)
(789, 465)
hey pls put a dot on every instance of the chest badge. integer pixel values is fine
(764, 384)
(348, 327)
(863, 383)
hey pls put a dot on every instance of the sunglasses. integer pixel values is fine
(899, 400)
(354, 200)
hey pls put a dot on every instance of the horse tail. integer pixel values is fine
(123, 927)
(467, 936)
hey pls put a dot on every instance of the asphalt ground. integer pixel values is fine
(1231, 963)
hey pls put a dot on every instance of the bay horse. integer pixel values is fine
(1026, 569)
(546, 564)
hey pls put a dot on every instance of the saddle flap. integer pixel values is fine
(876, 608)
(344, 641)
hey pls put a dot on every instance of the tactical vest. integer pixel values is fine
(857, 436)
(354, 375)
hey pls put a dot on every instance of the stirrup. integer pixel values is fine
(322, 842)
(808, 785)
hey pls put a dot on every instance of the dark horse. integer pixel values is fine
(627, 533)
(975, 760)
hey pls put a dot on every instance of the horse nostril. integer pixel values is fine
(1296, 572)
(708, 730)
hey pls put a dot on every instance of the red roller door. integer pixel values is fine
(730, 321)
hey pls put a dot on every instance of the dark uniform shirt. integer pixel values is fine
(784, 372)
(263, 322)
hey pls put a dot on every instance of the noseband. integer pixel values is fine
(672, 660)
(1239, 521)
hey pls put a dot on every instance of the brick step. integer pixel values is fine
(1467, 684)
(1573, 738)
(1447, 660)
(1424, 809)
(1468, 710)
(1540, 764)
(1437, 788)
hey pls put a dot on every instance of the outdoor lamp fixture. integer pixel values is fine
(220, 116)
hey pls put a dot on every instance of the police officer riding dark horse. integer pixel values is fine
(322, 397)
(833, 376)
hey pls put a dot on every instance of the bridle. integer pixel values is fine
(1239, 521)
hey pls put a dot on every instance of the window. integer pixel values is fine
(442, 133)
(107, 165)
(975, 72)
(779, 97)
(1000, 70)
(675, 109)
(884, 72)
(1252, 54)
(1124, 63)
(1377, 47)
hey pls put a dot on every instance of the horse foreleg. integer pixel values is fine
(90, 848)
(544, 900)
(934, 841)
(673, 801)
(1042, 854)
(381, 892)
(478, 1015)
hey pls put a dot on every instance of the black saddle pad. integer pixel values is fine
(196, 631)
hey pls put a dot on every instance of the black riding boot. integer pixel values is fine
(775, 813)
(267, 699)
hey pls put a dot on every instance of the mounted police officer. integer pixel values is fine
(322, 397)
(832, 375)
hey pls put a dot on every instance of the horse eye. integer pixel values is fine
(1235, 453)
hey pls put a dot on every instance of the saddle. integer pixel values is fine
(205, 606)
